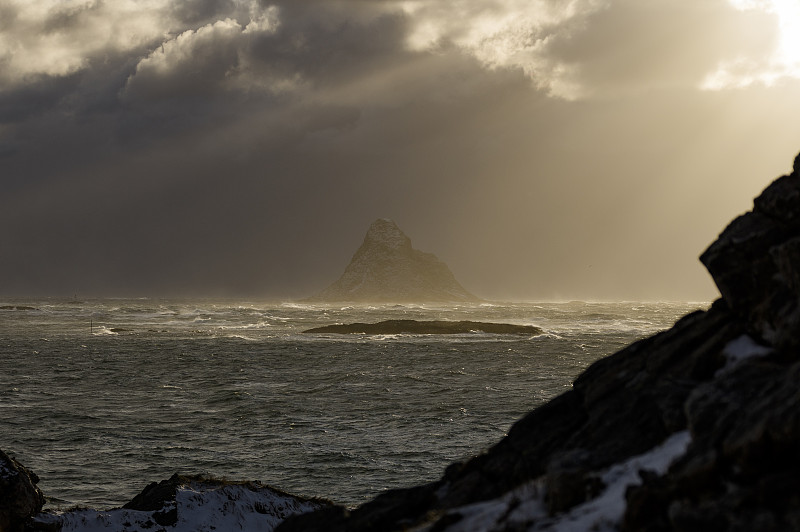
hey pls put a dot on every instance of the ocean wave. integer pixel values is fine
(300, 306)
(102, 330)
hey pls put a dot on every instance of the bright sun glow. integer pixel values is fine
(785, 62)
(788, 12)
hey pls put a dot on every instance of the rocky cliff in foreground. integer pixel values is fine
(387, 269)
(694, 429)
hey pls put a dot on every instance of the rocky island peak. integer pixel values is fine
(386, 268)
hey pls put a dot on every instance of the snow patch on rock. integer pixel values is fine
(197, 507)
(740, 349)
(524, 509)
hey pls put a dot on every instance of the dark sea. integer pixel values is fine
(102, 397)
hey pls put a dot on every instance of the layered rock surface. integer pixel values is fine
(696, 428)
(386, 268)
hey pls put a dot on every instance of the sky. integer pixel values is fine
(544, 149)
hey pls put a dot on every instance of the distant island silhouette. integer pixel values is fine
(386, 268)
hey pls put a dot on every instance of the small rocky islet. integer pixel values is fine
(696, 428)
(20, 308)
(425, 327)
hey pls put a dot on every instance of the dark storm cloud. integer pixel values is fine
(68, 17)
(196, 13)
(286, 55)
(203, 78)
(36, 97)
(196, 63)
(7, 148)
(8, 16)
(330, 49)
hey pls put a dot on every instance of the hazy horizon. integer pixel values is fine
(18, 299)
(545, 150)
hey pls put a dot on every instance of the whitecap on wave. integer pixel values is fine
(102, 330)
(241, 337)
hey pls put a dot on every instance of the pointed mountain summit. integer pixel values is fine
(387, 269)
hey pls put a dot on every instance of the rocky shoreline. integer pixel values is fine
(695, 428)
(182, 503)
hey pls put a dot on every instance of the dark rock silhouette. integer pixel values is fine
(722, 381)
(19, 497)
(387, 269)
(755, 262)
(426, 327)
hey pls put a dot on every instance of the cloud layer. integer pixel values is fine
(544, 149)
